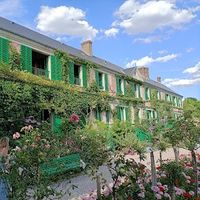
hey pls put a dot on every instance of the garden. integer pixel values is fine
(39, 151)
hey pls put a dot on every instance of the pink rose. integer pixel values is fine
(74, 118)
(16, 135)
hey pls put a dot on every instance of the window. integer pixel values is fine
(77, 75)
(137, 90)
(122, 113)
(151, 114)
(158, 95)
(102, 80)
(120, 84)
(40, 64)
(147, 94)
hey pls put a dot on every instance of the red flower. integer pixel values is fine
(161, 188)
(158, 168)
(187, 195)
(74, 118)
(129, 198)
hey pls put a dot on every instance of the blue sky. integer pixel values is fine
(163, 35)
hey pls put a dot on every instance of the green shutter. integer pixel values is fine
(118, 109)
(4, 50)
(125, 91)
(71, 72)
(146, 94)
(127, 110)
(132, 88)
(84, 71)
(56, 126)
(98, 114)
(97, 77)
(56, 68)
(118, 86)
(107, 116)
(139, 95)
(106, 82)
(26, 58)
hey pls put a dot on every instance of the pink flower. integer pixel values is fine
(18, 149)
(158, 196)
(16, 135)
(155, 188)
(141, 194)
(107, 191)
(33, 145)
(47, 146)
(74, 118)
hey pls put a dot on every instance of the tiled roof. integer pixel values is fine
(27, 33)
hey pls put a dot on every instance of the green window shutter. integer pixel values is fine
(132, 88)
(139, 95)
(146, 93)
(118, 109)
(4, 50)
(26, 58)
(71, 72)
(106, 82)
(97, 77)
(118, 86)
(57, 122)
(107, 116)
(84, 71)
(127, 110)
(125, 91)
(98, 114)
(56, 68)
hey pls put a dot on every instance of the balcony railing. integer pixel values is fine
(40, 72)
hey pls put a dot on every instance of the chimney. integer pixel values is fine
(159, 79)
(144, 72)
(87, 47)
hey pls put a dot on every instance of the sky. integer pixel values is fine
(163, 35)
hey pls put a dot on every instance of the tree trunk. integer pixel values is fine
(176, 153)
(98, 187)
(194, 165)
(161, 158)
(153, 169)
(173, 194)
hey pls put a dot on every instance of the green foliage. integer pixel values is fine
(33, 148)
(90, 142)
(14, 60)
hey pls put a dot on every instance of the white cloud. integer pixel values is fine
(194, 78)
(148, 40)
(10, 7)
(195, 71)
(189, 50)
(148, 60)
(65, 20)
(163, 51)
(181, 82)
(136, 17)
(112, 32)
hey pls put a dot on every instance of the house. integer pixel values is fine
(132, 85)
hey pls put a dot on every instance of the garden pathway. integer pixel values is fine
(85, 184)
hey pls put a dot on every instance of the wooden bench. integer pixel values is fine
(60, 165)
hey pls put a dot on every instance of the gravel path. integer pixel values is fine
(85, 184)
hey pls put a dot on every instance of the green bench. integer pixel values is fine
(60, 165)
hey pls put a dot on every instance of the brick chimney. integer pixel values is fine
(144, 72)
(159, 79)
(87, 47)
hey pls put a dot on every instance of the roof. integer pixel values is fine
(29, 34)
(132, 72)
